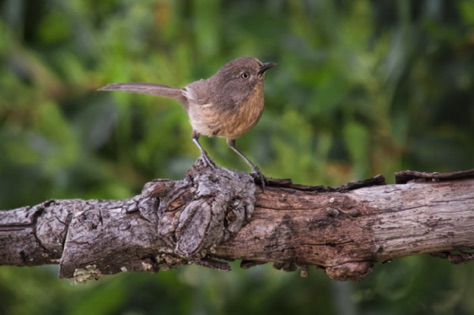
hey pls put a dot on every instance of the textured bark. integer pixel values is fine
(215, 215)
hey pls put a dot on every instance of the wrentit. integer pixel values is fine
(226, 105)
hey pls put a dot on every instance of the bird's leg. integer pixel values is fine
(255, 170)
(204, 157)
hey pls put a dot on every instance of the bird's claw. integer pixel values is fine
(207, 161)
(259, 176)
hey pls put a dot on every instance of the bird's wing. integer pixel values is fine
(198, 93)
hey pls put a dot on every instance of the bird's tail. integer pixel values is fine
(145, 88)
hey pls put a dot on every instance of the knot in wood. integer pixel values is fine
(354, 270)
(205, 209)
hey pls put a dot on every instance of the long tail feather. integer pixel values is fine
(145, 88)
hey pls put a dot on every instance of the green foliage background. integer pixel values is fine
(361, 88)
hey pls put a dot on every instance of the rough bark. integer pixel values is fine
(215, 215)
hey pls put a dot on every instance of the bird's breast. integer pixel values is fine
(214, 119)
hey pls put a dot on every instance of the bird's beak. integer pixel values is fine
(265, 66)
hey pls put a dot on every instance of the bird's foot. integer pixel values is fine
(259, 177)
(206, 160)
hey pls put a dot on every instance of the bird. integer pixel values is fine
(227, 104)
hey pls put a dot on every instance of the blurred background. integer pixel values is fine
(361, 88)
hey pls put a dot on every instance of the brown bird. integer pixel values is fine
(226, 105)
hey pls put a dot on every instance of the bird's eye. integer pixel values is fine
(245, 75)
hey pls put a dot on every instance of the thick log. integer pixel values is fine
(215, 215)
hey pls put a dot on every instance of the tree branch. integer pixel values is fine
(215, 215)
